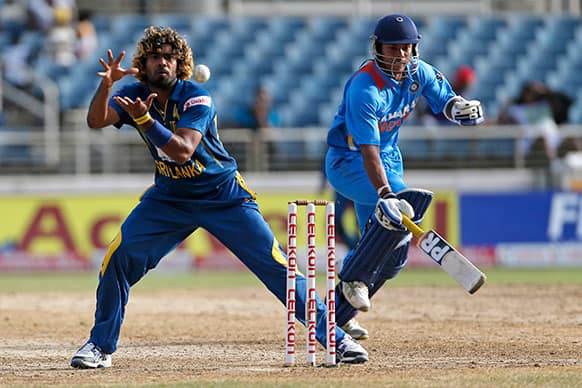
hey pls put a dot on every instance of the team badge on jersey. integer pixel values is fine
(439, 77)
(414, 87)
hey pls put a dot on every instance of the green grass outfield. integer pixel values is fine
(75, 281)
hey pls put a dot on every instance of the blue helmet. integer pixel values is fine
(395, 29)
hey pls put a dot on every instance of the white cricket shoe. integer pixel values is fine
(353, 328)
(350, 352)
(90, 356)
(356, 293)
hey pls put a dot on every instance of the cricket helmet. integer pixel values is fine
(395, 29)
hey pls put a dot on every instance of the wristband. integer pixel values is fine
(141, 120)
(158, 134)
(381, 189)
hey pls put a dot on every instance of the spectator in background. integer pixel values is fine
(260, 113)
(15, 67)
(86, 37)
(260, 117)
(539, 110)
(56, 18)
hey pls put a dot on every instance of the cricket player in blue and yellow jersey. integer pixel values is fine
(196, 186)
(364, 164)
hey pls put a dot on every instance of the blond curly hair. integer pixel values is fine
(152, 41)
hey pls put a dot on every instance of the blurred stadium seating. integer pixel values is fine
(304, 62)
(262, 49)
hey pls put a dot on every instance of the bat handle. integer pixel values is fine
(415, 229)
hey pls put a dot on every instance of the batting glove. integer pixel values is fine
(465, 112)
(389, 211)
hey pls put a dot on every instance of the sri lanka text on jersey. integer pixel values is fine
(190, 170)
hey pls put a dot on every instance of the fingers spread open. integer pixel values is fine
(119, 58)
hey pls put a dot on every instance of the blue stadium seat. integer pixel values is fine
(34, 40)
(284, 29)
(129, 24)
(312, 58)
(180, 22)
(327, 113)
(101, 22)
(476, 40)
(575, 113)
(524, 22)
(487, 28)
(362, 27)
(5, 41)
(560, 28)
(297, 62)
(247, 28)
(445, 28)
(46, 67)
(325, 28)
(315, 91)
(440, 31)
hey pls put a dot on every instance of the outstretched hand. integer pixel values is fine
(135, 108)
(113, 70)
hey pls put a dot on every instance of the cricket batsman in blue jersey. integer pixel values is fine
(197, 185)
(364, 164)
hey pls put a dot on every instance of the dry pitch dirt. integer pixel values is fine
(420, 336)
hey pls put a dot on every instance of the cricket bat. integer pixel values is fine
(447, 257)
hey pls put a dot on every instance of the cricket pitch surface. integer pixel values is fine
(504, 335)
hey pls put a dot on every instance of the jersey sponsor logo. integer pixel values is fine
(404, 112)
(396, 119)
(200, 100)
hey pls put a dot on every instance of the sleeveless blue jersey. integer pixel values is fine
(374, 106)
(189, 106)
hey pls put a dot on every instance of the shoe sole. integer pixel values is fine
(79, 363)
(354, 360)
(360, 336)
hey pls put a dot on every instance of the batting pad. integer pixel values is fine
(375, 247)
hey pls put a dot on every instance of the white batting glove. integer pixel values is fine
(465, 112)
(389, 212)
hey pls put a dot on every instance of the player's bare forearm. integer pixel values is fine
(181, 145)
(373, 166)
(99, 114)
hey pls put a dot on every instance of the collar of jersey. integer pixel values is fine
(175, 96)
(381, 79)
(177, 90)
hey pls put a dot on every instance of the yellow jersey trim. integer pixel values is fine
(243, 184)
(280, 258)
(112, 248)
